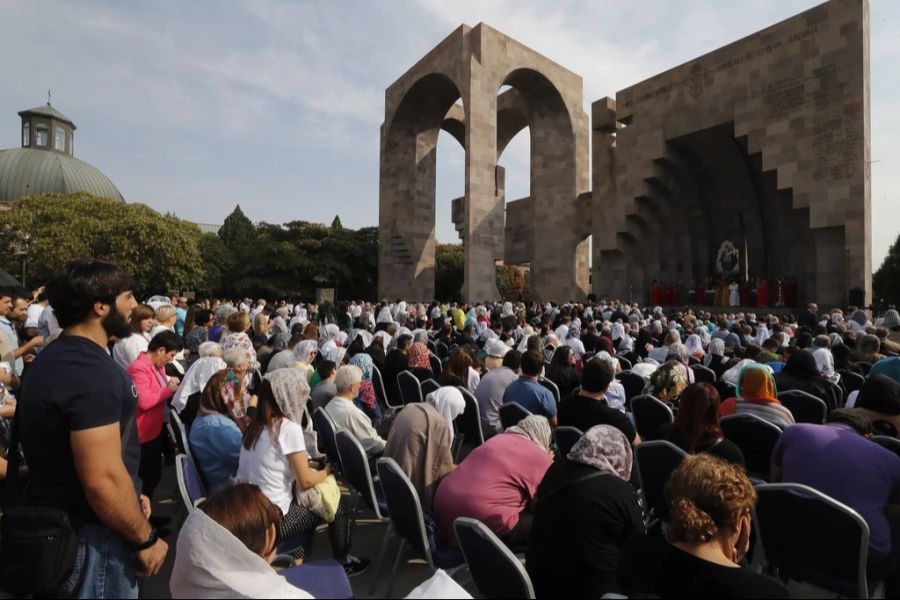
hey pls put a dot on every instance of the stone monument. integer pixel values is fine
(764, 142)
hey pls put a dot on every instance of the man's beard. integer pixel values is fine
(116, 325)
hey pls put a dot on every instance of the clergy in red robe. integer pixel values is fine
(655, 296)
(762, 292)
(701, 294)
(745, 293)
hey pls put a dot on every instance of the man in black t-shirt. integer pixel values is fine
(77, 409)
(589, 407)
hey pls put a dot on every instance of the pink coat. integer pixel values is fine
(153, 391)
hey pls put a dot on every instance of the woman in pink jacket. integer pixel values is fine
(154, 389)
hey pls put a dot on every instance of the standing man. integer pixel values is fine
(76, 405)
(9, 324)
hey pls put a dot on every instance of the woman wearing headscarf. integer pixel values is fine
(225, 549)
(507, 316)
(421, 437)
(859, 321)
(891, 322)
(366, 400)
(757, 395)
(715, 358)
(825, 364)
(274, 457)
(617, 333)
(667, 382)
(227, 387)
(574, 341)
(187, 397)
(694, 346)
(305, 352)
(562, 371)
(420, 362)
(378, 348)
(802, 373)
(586, 509)
(497, 483)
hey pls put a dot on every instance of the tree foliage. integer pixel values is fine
(886, 281)
(448, 271)
(160, 251)
(237, 231)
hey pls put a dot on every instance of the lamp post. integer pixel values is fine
(25, 240)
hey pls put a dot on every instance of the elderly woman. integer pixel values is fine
(419, 361)
(421, 437)
(667, 382)
(236, 337)
(225, 549)
(274, 457)
(694, 345)
(305, 354)
(214, 436)
(586, 509)
(715, 358)
(187, 398)
(756, 395)
(710, 502)
(497, 483)
(366, 400)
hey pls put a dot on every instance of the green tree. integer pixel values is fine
(336, 223)
(216, 257)
(238, 232)
(160, 251)
(886, 281)
(449, 274)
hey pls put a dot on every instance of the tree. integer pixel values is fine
(449, 262)
(160, 252)
(238, 232)
(886, 281)
(336, 223)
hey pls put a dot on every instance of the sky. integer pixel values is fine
(193, 107)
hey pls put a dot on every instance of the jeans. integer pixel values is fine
(104, 566)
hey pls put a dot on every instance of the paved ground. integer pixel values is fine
(367, 537)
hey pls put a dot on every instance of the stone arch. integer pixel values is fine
(407, 187)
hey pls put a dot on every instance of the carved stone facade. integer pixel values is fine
(764, 142)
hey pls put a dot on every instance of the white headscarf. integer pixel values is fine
(523, 345)
(449, 402)
(617, 332)
(195, 379)
(626, 344)
(303, 349)
(507, 310)
(762, 334)
(694, 344)
(291, 391)
(825, 364)
(716, 348)
(562, 332)
(534, 427)
(385, 338)
(384, 315)
(212, 563)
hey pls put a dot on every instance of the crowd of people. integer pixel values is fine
(91, 377)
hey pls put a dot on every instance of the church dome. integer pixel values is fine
(30, 172)
(46, 163)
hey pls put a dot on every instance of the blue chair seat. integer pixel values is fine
(321, 578)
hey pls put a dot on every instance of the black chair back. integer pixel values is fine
(624, 363)
(355, 463)
(756, 438)
(554, 389)
(511, 413)
(886, 441)
(404, 506)
(181, 433)
(381, 392)
(693, 360)
(469, 422)
(431, 346)
(805, 407)
(327, 430)
(703, 374)
(864, 367)
(494, 568)
(656, 461)
(650, 416)
(566, 437)
(633, 384)
(410, 388)
(428, 386)
(437, 366)
(442, 350)
(852, 381)
(726, 390)
(810, 537)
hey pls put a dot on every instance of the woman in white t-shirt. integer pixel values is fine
(273, 457)
(128, 349)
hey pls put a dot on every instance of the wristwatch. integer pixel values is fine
(154, 537)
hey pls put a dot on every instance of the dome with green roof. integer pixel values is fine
(46, 164)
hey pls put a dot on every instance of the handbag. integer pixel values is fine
(39, 543)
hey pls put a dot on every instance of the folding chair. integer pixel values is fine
(656, 461)
(495, 569)
(179, 433)
(633, 384)
(468, 424)
(511, 413)
(554, 389)
(410, 388)
(756, 438)
(327, 430)
(437, 367)
(703, 374)
(356, 469)
(428, 386)
(408, 522)
(566, 437)
(805, 407)
(650, 416)
(381, 393)
(321, 578)
(624, 363)
(810, 537)
(852, 381)
(888, 442)
(190, 484)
